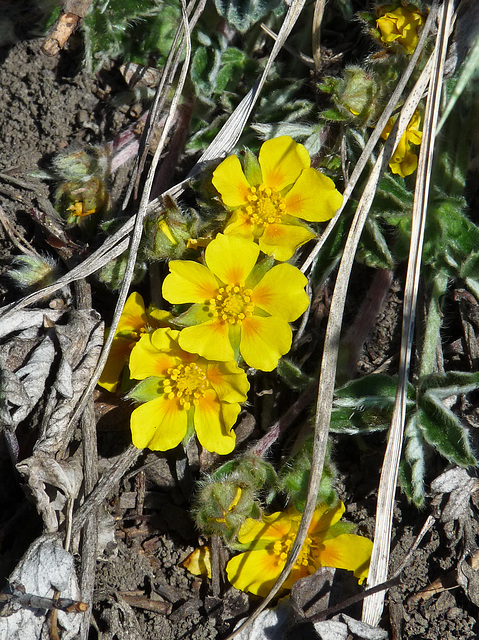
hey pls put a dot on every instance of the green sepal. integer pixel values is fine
(146, 390)
(292, 375)
(190, 426)
(332, 115)
(252, 169)
(258, 272)
(234, 335)
(196, 314)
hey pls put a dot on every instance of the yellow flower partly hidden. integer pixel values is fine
(269, 203)
(135, 320)
(404, 160)
(329, 544)
(183, 393)
(401, 26)
(238, 307)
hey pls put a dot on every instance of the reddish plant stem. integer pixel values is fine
(267, 441)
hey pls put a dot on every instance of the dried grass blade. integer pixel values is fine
(374, 138)
(373, 606)
(330, 353)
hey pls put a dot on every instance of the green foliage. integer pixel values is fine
(216, 68)
(140, 31)
(292, 375)
(366, 404)
(242, 14)
(293, 478)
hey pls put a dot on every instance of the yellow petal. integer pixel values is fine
(230, 181)
(239, 225)
(264, 341)
(282, 240)
(189, 281)
(159, 424)
(269, 529)
(282, 160)
(280, 292)
(210, 429)
(325, 517)
(231, 258)
(146, 360)
(117, 358)
(228, 380)
(254, 571)
(199, 562)
(346, 551)
(209, 340)
(133, 317)
(313, 197)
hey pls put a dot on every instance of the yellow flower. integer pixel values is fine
(183, 393)
(268, 204)
(401, 26)
(237, 308)
(404, 160)
(134, 321)
(328, 544)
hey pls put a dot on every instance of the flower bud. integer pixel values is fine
(168, 232)
(33, 271)
(222, 507)
(356, 95)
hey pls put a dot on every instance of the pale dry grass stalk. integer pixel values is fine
(373, 606)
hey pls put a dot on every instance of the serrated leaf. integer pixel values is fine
(413, 467)
(442, 429)
(242, 14)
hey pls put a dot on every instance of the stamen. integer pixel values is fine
(264, 206)
(186, 382)
(232, 304)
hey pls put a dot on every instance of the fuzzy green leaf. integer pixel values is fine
(413, 468)
(443, 430)
(242, 14)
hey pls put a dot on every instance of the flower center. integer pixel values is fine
(282, 548)
(232, 304)
(187, 382)
(264, 206)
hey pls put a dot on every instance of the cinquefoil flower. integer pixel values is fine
(401, 26)
(134, 322)
(329, 544)
(183, 393)
(269, 202)
(404, 160)
(237, 308)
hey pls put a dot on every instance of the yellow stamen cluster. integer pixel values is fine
(187, 382)
(264, 206)
(232, 304)
(282, 548)
(78, 210)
